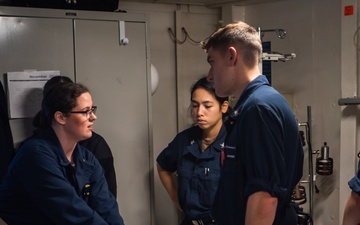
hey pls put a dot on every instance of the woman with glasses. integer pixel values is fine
(96, 143)
(54, 180)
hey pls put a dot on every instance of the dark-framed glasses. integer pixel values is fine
(87, 112)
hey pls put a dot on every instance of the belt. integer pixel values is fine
(204, 221)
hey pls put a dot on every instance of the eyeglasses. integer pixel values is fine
(87, 112)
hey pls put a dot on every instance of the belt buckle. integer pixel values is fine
(202, 222)
(195, 222)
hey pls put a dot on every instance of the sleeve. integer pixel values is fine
(168, 158)
(263, 155)
(42, 179)
(354, 183)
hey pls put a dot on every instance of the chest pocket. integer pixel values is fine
(80, 178)
(231, 156)
(233, 174)
(199, 177)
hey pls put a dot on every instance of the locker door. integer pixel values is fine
(34, 43)
(117, 78)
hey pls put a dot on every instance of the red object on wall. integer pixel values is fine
(348, 10)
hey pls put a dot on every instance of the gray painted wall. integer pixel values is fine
(314, 33)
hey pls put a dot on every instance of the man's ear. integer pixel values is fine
(233, 54)
(225, 107)
(59, 117)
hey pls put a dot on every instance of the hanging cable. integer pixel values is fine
(187, 36)
(173, 37)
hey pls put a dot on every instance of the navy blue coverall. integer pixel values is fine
(198, 172)
(41, 187)
(263, 153)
